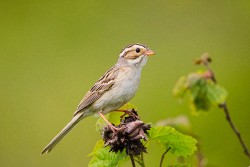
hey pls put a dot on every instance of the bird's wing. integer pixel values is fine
(101, 86)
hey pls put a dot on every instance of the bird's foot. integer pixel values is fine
(130, 112)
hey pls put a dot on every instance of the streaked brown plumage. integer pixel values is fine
(114, 89)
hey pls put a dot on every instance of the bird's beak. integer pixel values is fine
(149, 53)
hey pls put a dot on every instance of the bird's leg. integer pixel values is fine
(109, 124)
(128, 112)
(123, 115)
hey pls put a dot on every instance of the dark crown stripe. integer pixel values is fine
(129, 46)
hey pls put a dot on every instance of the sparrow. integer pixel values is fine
(114, 89)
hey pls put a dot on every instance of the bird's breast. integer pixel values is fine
(127, 82)
(122, 91)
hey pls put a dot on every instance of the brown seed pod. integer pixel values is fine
(127, 136)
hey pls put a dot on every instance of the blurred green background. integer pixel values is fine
(52, 52)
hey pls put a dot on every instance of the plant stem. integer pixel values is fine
(139, 159)
(163, 155)
(199, 155)
(142, 160)
(132, 160)
(225, 109)
(211, 71)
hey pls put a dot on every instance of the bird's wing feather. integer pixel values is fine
(102, 85)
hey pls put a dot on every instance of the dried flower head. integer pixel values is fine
(128, 135)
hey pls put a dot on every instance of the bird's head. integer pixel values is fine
(135, 54)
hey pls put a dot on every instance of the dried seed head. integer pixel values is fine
(128, 135)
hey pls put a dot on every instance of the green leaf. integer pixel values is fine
(216, 93)
(198, 96)
(128, 106)
(202, 92)
(101, 157)
(180, 144)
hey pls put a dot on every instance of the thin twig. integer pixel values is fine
(163, 155)
(139, 159)
(132, 160)
(200, 158)
(140, 163)
(211, 71)
(225, 109)
(142, 158)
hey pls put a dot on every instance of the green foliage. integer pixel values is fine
(101, 156)
(128, 106)
(180, 144)
(203, 93)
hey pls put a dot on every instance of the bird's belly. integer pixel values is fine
(120, 93)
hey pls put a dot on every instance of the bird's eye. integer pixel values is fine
(137, 50)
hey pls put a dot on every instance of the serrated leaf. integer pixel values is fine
(202, 92)
(180, 144)
(205, 94)
(198, 96)
(101, 157)
(216, 93)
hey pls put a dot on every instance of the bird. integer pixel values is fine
(113, 90)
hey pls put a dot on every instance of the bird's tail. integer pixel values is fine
(63, 132)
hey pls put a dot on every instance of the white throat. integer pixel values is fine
(139, 62)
